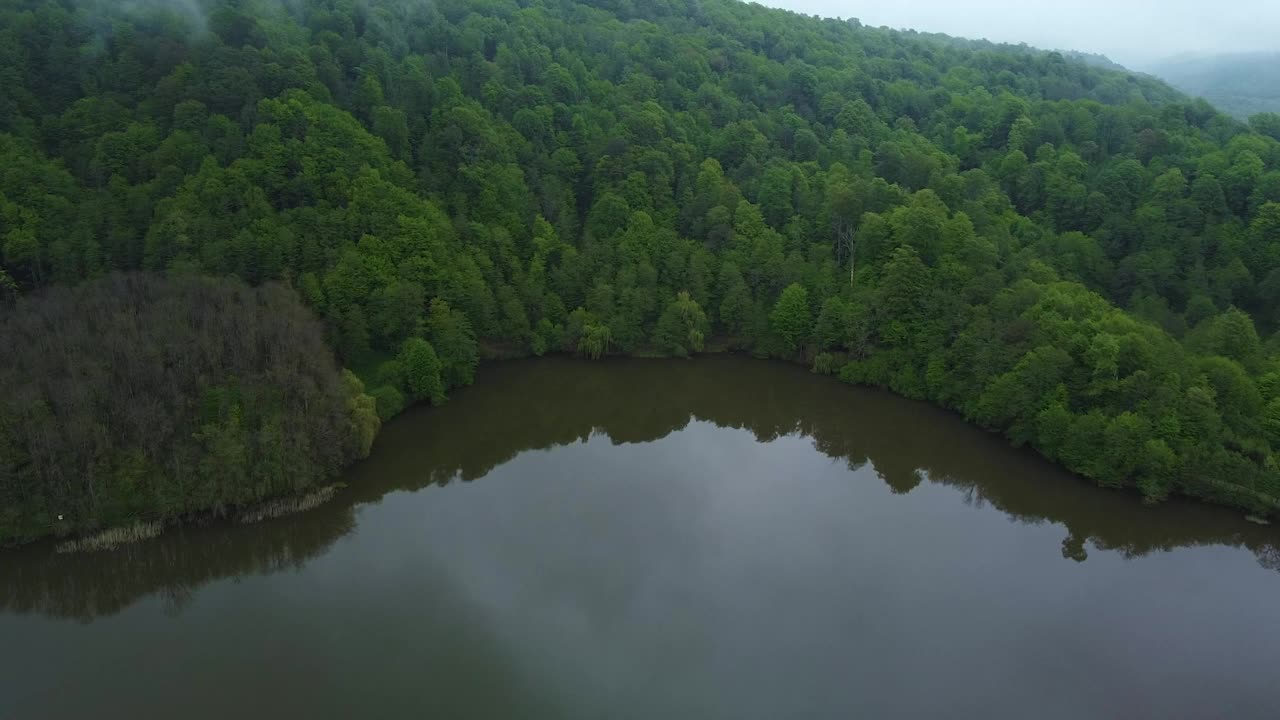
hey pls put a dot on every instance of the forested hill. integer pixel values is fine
(1083, 259)
(1241, 84)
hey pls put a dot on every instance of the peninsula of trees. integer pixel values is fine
(208, 209)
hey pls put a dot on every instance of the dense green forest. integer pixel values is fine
(1083, 259)
(1239, 84)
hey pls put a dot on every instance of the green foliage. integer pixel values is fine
(833, 328)
(595, 340)
(791, 318)
(390, 401)
(547, 337)
(1085, 260)
(450, 331)
(362, 413)
(827, 363)
(420, 371)
(683, 326)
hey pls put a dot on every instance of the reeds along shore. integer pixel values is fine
(113, 538)
(288, 505)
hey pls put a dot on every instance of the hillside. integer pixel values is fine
(1242, 84)
(1082, 259)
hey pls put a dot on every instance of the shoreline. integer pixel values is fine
(116, 537)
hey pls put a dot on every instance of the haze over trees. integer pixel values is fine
(1085, 260)
(1240, 84)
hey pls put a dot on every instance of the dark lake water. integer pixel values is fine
(716, 538)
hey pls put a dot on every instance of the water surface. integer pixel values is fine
(716, 538)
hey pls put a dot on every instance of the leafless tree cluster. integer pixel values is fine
(143, 397)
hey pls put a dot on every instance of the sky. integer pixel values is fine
(1130, 32)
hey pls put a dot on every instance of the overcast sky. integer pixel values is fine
(1132, 32)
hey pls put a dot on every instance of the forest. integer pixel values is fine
(135, 398)
(1240, 84)
(1085, 260)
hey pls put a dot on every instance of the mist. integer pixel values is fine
(188, 10)
(1135, 33)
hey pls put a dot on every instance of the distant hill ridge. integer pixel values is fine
(1241, 84)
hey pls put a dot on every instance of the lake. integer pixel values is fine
(714, 538)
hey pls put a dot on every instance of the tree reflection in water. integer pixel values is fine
(538, 404)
